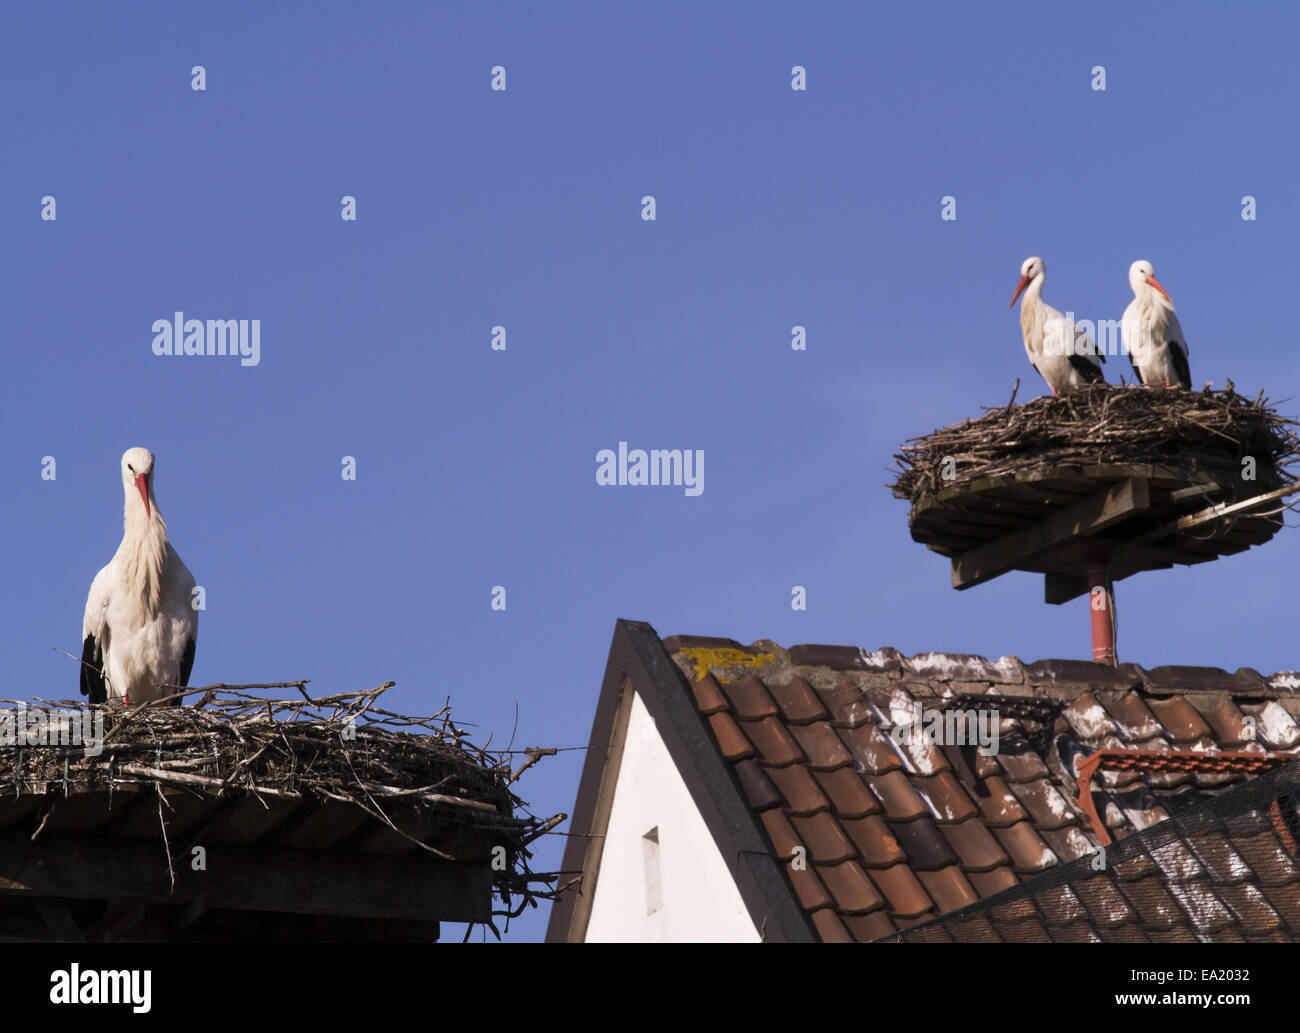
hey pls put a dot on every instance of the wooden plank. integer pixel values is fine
(1088, 517)
(1061, 588)
(594, 853)
(95, 867)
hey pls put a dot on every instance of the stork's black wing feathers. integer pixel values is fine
(1181, 369)
(92, 674)
(1088, 370)
(1136, 372)
(187, 663)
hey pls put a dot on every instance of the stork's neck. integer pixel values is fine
(143, 552)
(1152, 302)
(1031, 307)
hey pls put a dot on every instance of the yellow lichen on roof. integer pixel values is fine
(706, 659)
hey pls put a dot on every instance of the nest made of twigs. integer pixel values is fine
(1199, 435)
(340, 748)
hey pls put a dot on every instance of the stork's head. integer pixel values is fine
(1141, 272)
(1030, 270)
(137, 473)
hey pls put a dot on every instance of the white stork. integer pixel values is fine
(1152, 336)
(1062, 354)
(140, 627)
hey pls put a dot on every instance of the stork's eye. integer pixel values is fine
(130, 467)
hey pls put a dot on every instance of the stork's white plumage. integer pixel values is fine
(140, 625)
(1063, 354)
(1152, 335)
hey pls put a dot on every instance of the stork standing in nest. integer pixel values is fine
(1152, 336)
(140, 625)
(1062, 354)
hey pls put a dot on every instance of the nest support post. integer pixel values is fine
(1101, 606)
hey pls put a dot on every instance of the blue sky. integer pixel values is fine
(475, 208)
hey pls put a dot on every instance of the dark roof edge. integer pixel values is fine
(767, 893)
(584, 816)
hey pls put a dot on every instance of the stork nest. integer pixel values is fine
(1196, 434)
(340, 748)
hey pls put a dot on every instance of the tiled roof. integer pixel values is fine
(878, 836)
(1225, 871)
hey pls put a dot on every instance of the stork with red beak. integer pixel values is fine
(1062, 354)
(1152, 336)
(140, 625)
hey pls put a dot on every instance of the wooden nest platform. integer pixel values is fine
(1128, 477)
(240, 817)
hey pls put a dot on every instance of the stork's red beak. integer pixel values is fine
(143, 485)
(1024, 282)
(1156, 284)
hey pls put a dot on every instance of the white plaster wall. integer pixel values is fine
(700, 899)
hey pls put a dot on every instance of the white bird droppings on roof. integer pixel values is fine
(1090, 721)
(1276, 727)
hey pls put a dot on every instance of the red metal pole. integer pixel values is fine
(1101, 600)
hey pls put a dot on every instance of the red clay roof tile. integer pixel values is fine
(1060, 905)
(845, 703)
(924, 845)
(809, 888)
(848, 793)
(731, 741)
(1270, 862)
(871, 748)
(1022, 766)
(1047, 807)
(906, 897)
(1155, 908)
(1106, 905)
(1073, 932)
(946, 797)
(852, 889)
(750, 699)
(708, 697)
(830, 928)
(1018, 910)
(826, 841)
(1250, 907)
(1226, 718)
(902, 802)
(1000, 807)
(976, 929)
(1132, 869)
(772, 740)
(948, 888)
(866, 928)
(1181, 720)
(1088, 718)
(975, 846)
(785, 841)
(1220, 859)
(821, 745)
(1285, 900)
(1136, 723)
(798, 702)
(1274, 727)
(759, 790)
(988, 883)
(1028, 851)
(1069, 843)
(875, 840)
(800, 791)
